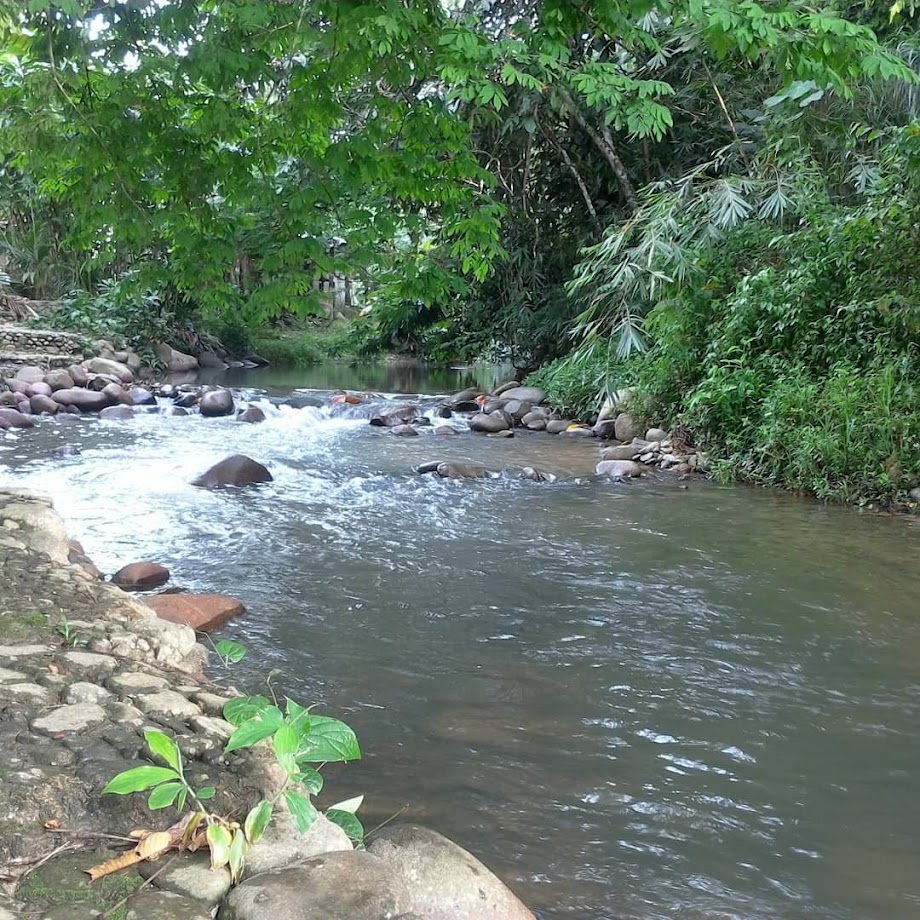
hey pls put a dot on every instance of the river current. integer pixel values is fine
(638, 701)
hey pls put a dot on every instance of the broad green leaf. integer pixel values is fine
(301, 809)
(219, 841)
(310, 779)
(286, 742)
(232, 651)
(163, 796)
(329, 741)
(348, 822)
(254, 730)
(257, 820)
(206, 792)
(349, 805)
(237, 711)
(163, 746)
(238, 849)
(138, 779)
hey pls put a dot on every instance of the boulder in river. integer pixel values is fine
(117, 413)
(142, 397)
(176, 361)
(251, 414)
(504, 387)
(618, 469)
(494, 421)
(532, 395)
(443, 880)
(404, 431)
(82, 400)
(390, 418)
(455, 469)
(59, 379)
(141, 576)
(113, 368)
(656, 434)
(215, 403)
(621, 452)
(235, 470)
(46, 404)
(13, 418)
(557, 425)
(202, 612)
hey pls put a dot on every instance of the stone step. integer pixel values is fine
(39, 359)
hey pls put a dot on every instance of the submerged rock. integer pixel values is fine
(141, 576)
(618, 469)
(236, 470)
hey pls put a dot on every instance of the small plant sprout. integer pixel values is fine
(298, 738)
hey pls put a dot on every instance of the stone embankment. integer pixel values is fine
(85, 669)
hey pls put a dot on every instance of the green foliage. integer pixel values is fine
(299, 346)
(298, 738)
(577, 386)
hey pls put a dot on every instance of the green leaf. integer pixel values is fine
(301, 809)
(238, 849)
(238, 710)
(310, 779)
(232, 651)
(163, 746)
(257, 821)
(348, 822)
(163, 796)
(256, 729)
(219, 841)
(329, 741)
(183, 797)
(138, 779)
(286, 742)
(206, 792)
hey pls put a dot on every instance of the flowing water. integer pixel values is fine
(631, 701)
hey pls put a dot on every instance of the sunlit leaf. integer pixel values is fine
(163, 746)
(257, 821)
(138, 779)
(301, 808)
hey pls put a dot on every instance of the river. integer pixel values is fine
(633, 701)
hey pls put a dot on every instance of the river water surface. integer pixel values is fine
(631, 701)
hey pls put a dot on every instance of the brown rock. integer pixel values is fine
(202, 612)
(235, 470)
(39, 389)
(13, 418)
(40, 404)
(77, 374)
(117, 393)
(618, 469)
(82, 400)
(141, 576)
(117, 413)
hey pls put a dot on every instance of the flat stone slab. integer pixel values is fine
(136, 682)
(168, 703)
(8, 677)
(91, 661)
(72, 718)
(190, 875)
(23, 651)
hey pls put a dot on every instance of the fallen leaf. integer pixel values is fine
(52, 825)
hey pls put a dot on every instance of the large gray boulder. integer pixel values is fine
(282, 844)
(176, 362)
(455, 469)
(112, 368)
(13, 418)
(349, 885)
(618, 469)
(59, 379)
(491, 423)
(391, 418)
(84, 400)
(444, 881)
(218, 402)
(532, 395)
(621, 452)
(235, 470)
(626, 427)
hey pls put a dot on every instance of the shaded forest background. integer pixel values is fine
(714, 202)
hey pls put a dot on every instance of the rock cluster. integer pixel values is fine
(85, 670)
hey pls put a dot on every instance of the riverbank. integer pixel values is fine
(85, 669)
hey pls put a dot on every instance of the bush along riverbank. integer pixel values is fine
(99, 695)
(793, 359)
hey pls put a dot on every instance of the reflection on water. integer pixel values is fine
(632, 701)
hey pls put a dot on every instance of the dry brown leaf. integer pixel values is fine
(154, 845)
(130, 858)
(140, 833)
(52, 825)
